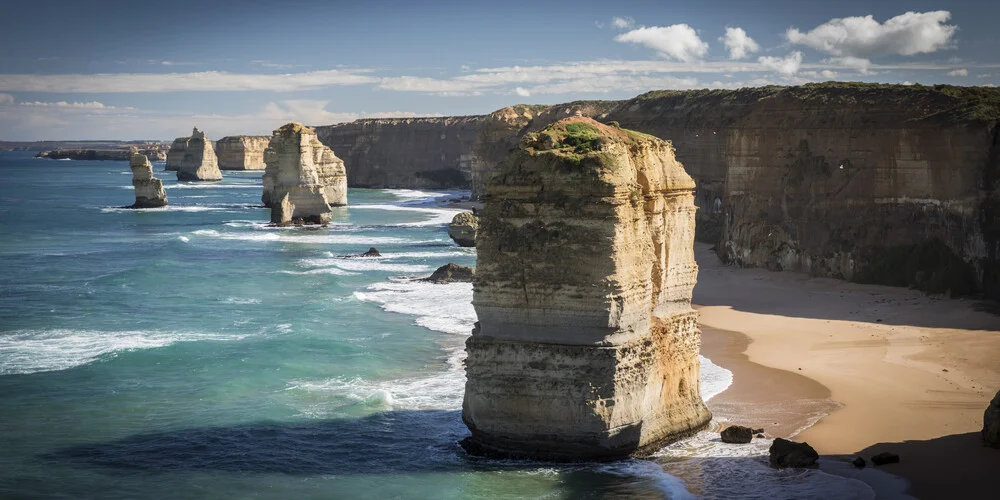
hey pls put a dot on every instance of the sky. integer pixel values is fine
(115, 69)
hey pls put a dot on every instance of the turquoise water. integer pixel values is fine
(194, 352)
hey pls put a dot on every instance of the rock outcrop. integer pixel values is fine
(199, 162)
(149, 191)
(452, 273)
(295, 144)
(737, 434)
(463, 229)
(241, 152)
(784, 453)
(157, 154)
(587, 346)
(991, 423)
(175, 155)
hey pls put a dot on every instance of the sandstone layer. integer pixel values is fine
(463, 229)
(199, 162)
(889, 184)
(303, 178)
(149, 191)
(587, 346)
(241, 152)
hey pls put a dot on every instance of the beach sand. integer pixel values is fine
(892, 369)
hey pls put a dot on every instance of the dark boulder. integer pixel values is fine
(372, 252)
(452, 273)
(785, 453)
(991, 423)
(885, 458)
(737, 434)
(859, 462)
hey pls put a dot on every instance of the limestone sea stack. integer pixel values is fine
(297, 148)
(463, 229)
(149, 191)
(199, 162)
(175, 155)
(587, 345)
(241, 152)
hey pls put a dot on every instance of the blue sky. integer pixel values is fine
(121, 70)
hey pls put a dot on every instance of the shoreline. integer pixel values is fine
(902, 371)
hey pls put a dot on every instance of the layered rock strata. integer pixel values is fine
(303, 178)
(587, 345)
(241, 152)
(149, 191)
(199, 162)
(313, 156)
(463, 229)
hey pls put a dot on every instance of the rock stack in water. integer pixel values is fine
(241, 152)
(303, 178)
(149, 191)
(463, 228)
(199, 162)
(295, 147)
(586, 346)
(175, 155)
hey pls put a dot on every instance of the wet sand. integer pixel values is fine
(889, 365)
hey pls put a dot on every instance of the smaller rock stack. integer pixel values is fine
(149, 191)
(199, 162)
(303, 178)
(463, 229)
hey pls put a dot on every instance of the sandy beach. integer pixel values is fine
(881, 368)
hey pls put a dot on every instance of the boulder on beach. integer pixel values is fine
(991, 423)
(452, 273)
(785, 453)
(737, 434)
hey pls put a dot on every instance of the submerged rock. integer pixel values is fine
(885, 458)
(199, 162)
(785, 453)
(737, 434)
(299, 149)
(292, 181)
(463, 229)
(991, 423)
(149, 191)
(587, 345)
(452, 273)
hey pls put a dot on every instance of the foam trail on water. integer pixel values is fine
(32, 351)
(413, 194)
(439, 215)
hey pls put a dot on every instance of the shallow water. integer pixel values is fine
(194, 352)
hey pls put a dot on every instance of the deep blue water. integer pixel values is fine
(195, 352)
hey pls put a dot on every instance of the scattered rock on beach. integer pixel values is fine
(885, 458)
(859, 462)
(785, 453)
(991, 423)
(452, 273)
(737, 434)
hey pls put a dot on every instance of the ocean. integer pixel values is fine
(192, 351)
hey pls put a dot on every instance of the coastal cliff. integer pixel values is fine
(586, 346)
(889, 184)
(241, 152)
(156, 154)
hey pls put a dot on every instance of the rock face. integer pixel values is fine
(303, 177)
(587, 346)
(241, 152)
(452, 273)
(199, 162)
(785, 453)
(737, 434)
(149, 191)
(175, 155)
(991, 423)
(463, 229)
(296, 147)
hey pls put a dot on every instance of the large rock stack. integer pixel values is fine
(241, 152)
(587, 346)
(149, 191)
(175, 155)
(313, 156)
(463, 228)
(199, 162)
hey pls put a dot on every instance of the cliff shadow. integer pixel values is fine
(387, 443)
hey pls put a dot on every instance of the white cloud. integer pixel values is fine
(739, 43)
(982, 75)
(678, 41)
(206, 81)
(959, 72)
(6, 99)
(623, 23)
(906, 34)
(860, 64)
(64, 104)
(521, 91)
(787, 66)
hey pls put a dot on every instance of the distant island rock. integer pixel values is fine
(157, 154)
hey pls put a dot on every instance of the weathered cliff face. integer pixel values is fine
(241, 152)
(303, 178)
(175, 155)
(587, 346)
(199, 162)
(149, 191)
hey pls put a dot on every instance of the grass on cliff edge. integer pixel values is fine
(582, 136)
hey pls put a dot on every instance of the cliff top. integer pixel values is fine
(294, 128)
(580, 136)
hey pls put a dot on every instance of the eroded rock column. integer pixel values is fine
(149, 191)
(587, 346)
(303, 178)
